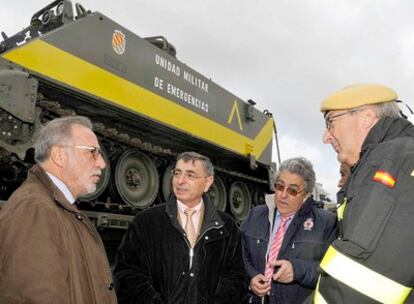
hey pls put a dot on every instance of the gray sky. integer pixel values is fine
(285, 55)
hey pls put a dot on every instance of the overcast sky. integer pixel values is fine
(285, 55)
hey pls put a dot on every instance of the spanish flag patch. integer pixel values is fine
(385, 178)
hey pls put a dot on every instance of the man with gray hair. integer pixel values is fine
(49, 251)
(371, 261)
(184, 251)
(285, 239)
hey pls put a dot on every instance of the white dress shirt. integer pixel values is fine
(196, 216)
(62, 187)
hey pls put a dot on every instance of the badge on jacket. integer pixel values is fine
(308, 224)
(385, 178)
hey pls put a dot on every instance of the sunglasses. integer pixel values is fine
(291, 191)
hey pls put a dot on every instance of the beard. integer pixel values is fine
(90, 188)
(83, 183)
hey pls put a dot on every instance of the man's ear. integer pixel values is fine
(369, 118)
(58, 156)
(210, 181)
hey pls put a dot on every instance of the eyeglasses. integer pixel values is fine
(95, 151)
(176, 173)
(291, 191)
(329, 120)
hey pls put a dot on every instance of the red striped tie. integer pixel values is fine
(276, 244)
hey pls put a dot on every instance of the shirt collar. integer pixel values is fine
(181, 206)
(62, 187)
(290, 216)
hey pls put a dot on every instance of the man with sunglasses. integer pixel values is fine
(285, 239)
(184, 251)
(371, 261)
(49, 251)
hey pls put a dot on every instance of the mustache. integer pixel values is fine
(181, 188)
(97, 173)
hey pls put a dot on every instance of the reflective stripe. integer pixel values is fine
(318, 299)
(341, 209)
(363, 279)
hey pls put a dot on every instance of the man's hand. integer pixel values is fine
(285, 273)
(260, 285)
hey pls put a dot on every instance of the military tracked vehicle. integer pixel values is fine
(146, 107)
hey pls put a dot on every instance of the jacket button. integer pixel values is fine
(221, 231)
(79, 217)
(111, 286)
(216, 223)
(191, 274)
(206, 237)
(183, 273)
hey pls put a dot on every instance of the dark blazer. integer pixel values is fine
(153, 261)
(305, 242)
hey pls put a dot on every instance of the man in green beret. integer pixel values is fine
(372, 259)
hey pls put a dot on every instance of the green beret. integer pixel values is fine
(358, 95)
